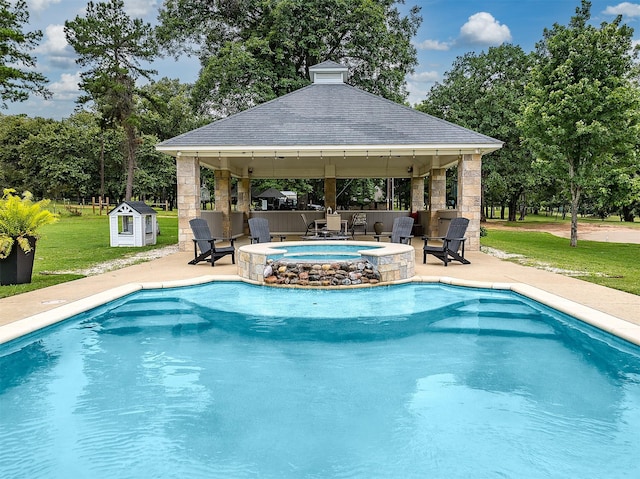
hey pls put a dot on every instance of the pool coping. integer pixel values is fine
(611, 324)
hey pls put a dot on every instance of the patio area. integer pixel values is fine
(567, 294)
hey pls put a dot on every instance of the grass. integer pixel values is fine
(609, 264)
(80, 242)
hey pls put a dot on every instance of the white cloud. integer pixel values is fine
(54, 49)
(430, 76)
(55, 41)
(433, 45)
(483, 29)
(418, 85)
(140, 8)
(40, 5)
(67, 87)
(624, 8)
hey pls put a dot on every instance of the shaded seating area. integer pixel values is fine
(259, 231)
(401, 231)
(205, 242)
(452, 248)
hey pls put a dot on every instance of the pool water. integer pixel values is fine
(229, 380)
(321, 252)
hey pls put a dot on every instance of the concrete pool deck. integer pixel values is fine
(562, 292)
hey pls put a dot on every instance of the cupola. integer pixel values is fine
(328, 72)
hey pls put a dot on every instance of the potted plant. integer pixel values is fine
(20, 219)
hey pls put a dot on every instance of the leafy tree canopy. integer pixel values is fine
(255, 50)
(582, 101)
(113, 46)
(17, 79)
(484, 92)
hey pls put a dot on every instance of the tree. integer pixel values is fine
(255, 50)
(62, 157)
(582, 103)
(113, 46)
(17, 79)
(156, 174)
(163, 109)
(484, 92)
(15, 171)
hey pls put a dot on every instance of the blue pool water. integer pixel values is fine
(321, 252)
(229, 380)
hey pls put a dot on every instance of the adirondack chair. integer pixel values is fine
(401, 231)
(259, 231)
(205, 242)
(452, 248)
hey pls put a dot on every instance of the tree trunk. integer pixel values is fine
(513, 207)
(575, 201)
(102, 163)
(627, 214)
(132, 143)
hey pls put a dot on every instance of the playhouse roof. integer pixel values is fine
(138, 206)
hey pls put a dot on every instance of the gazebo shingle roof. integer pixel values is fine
(329, 114)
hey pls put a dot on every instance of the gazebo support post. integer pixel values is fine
(330, 188)
(188, 179)
(469, 197)
(437, 198)
(244, 200)
(417, 193)
(223, 200)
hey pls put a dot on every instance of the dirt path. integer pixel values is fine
(606, 232)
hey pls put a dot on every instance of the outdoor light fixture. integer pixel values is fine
(250, 170)
(410, 169)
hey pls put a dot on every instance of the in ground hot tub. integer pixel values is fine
(322, 252)
(326, 263)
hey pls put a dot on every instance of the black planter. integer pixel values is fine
(18, 266)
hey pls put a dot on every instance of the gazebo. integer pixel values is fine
(329, 130)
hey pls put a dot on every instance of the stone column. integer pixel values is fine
(437, 198)
(188, 177)
(223, 200)
(469, 197)
(417, 194)
(244, 200)
(330, 188)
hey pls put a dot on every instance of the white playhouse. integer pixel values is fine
(133, 223)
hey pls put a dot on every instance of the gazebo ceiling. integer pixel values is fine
(395, 161)
(329, 129)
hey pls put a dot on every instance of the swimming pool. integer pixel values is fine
(233, 380)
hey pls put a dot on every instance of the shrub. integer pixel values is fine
(20, 218)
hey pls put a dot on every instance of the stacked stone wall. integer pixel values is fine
(344, 273)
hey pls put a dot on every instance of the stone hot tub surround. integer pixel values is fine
(261, 264)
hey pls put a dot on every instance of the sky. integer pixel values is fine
(450, 28)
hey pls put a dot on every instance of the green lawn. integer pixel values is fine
(610, 264)
(79, 242)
